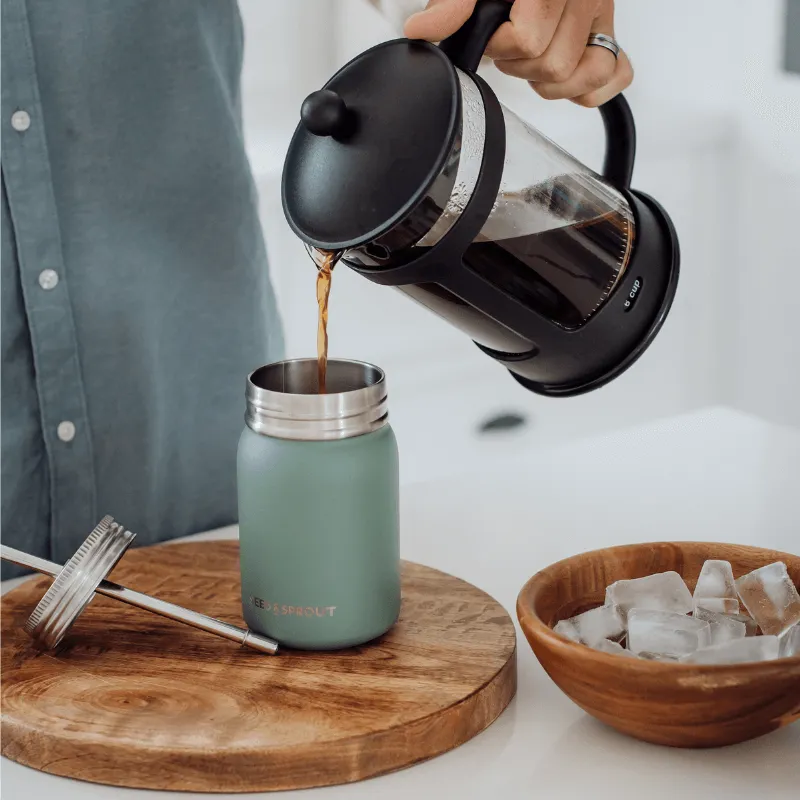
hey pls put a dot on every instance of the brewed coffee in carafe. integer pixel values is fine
(558, 237)
(555, 249)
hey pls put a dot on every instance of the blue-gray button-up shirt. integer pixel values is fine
(135, 293)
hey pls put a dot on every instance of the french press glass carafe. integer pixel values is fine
(409, 167)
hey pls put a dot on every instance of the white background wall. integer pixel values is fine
(766, 225)
(719, 146)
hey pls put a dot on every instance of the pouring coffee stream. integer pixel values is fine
(408, 167)
(325, 260)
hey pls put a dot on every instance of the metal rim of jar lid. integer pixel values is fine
(74, 587)
(283, 400)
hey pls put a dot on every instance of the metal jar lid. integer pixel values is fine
(75, 584)
(282, 400)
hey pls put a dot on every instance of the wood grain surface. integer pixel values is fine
(682, 705)
(132, 699)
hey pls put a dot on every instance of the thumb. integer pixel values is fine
(439, 20)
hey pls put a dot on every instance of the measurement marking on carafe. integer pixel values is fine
(633, 294)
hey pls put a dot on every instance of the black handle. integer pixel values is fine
(620, 142)
(466, 47)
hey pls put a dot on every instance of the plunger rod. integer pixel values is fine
(169, 610)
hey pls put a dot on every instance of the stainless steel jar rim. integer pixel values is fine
(283, 401)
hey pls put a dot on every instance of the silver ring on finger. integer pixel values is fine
(601, 40)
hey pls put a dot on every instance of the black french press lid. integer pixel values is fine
(370, 144)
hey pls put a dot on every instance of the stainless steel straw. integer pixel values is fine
(84, 574)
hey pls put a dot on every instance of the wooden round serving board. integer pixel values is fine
(132, 699)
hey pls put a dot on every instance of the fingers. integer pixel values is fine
(594, 70)
(545, 44)
(587, 75)
(533, 24)
(620, 80)
(564, 51)
(439, 20)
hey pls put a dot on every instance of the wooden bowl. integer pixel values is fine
(681, 705)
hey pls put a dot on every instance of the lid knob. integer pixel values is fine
(324, 113)
(371, 144)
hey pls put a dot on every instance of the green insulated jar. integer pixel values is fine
(318, 506)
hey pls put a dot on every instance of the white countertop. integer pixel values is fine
(715, 475)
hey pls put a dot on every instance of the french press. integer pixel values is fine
(408, 166)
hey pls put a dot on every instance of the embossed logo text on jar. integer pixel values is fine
(280, 610)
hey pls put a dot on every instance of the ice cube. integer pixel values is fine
(664, 591)
(751, 626)
(665, 632)
(607, 646)
(740, 651)
(566, 629)
(604, 622)
(720, 605)
(771, 598)
(790, 642)
(723, 629)
(716, 582)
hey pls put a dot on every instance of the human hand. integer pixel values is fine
(544, 43)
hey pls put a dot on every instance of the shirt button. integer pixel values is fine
(48, 279)
(20, 121)
(66, 431)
